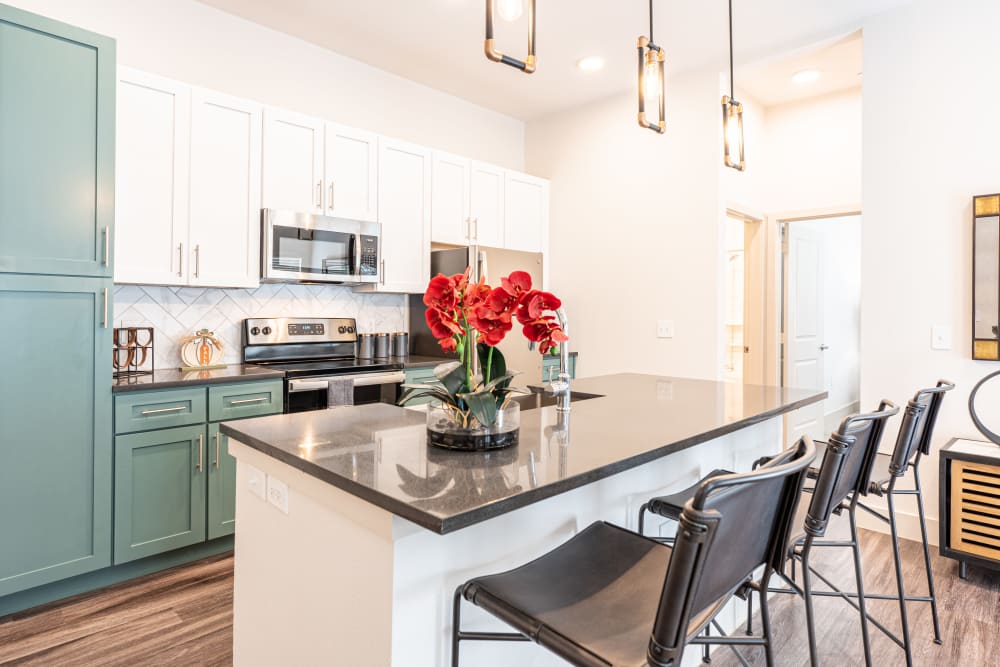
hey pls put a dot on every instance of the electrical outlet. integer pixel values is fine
(664, 390)
(664, 328)
(256, 481)
(940, 337)
(277, 493)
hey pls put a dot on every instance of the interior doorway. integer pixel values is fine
(744, 303)
(820, 320)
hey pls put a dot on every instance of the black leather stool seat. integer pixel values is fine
(592, 600)
(670, 506)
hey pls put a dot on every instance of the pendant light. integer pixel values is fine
(651, 80)
(732, 115)
(510, 10)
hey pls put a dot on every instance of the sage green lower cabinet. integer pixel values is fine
(422, 375)
(221, 485)
(160, 491)
(55, 429)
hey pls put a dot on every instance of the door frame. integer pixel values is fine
(755, 304)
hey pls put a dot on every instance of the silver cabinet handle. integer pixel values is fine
(180, 259)
(331, 195)
(163, 410)
(468, 229)
(197, 261)
(104, 321)
(259, 399)
(201, 451)
(319, 195)
(382, 277)
(476, 223)
(107, 246)
(217, 437)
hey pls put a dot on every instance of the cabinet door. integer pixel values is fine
(486, 204)
(225, 191)
(527, 213)
(55, 429)
(351, 173)
(293, 162)
(151, 178)
(450, 199)
(405, 213)
(221, 485)
(57, 147)
(159, 491)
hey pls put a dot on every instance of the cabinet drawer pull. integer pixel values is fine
(107, 245)
(259, 399)
(162, 410)
(201, 451)
(217, 437)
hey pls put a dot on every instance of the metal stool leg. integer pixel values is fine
(762, 594)
(807, 596)
(456, 621)
(859, 577)
(765, 621)
(927, 557)
(904, 622)
(706, 649)
(642, 517)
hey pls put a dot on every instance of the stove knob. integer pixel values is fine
(254, 331)
(341, 329)
(350, 329)
(266, 331)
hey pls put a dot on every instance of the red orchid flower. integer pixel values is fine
(441, 324)
(532, 304)
(516, 283)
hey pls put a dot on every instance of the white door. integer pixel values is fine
(405, 213)
(151, 179)
(225, 191)
(293, 162)
(486, 204)
(804, 327)
(527, 212)
(450, 221)
(351, 173)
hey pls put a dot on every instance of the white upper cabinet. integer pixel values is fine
(293, 162)
(450, 221)
(151, 177)
(404, 193)
(526, 213)
(225, 191)
(486, 204)
(351, 173)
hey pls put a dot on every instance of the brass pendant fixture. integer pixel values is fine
(651, 80)
(510, 10)
(732, 115)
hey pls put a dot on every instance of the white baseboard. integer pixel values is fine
(907, 523)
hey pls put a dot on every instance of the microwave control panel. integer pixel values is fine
(369, 255)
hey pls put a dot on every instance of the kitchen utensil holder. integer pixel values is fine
(132, 354)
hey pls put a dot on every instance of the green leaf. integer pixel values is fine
(483, 406)
(499, 364)
(452, 376)
(500, 382)
(420, 391)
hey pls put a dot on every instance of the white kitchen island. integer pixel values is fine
(380, 529)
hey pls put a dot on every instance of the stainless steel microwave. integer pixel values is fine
(305, 248)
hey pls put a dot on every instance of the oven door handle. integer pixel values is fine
(360, 380)
(295, 386)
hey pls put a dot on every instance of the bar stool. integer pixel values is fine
(913, 443)
(590, 601)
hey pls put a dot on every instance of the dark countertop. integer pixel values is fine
(379, 453)
(171, 377)
(420, 361)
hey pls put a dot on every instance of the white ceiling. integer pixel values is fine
(439, 42)
(839, 64)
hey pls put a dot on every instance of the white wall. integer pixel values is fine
(192, 42)
(931, 141)
(635, 228)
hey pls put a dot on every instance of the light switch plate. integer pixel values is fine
(940, 337)
(256, 481)
(277, 493)
(664, 328)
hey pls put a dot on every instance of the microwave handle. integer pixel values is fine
(354, 250)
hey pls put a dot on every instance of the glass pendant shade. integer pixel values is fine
(732, 132)
(510, 10)
(651, 84)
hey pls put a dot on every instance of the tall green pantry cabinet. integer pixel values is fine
(57, 122)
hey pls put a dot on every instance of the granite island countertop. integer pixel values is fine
(379, 453)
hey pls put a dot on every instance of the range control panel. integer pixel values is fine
(274, 331)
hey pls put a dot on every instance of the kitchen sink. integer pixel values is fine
(538, 399)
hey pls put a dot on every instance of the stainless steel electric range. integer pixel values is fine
(317, 356)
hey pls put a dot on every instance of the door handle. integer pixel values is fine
(259, 399)
(197, 261)
(824, 347)
(331, 195)
(107, 245)
(217, 437)
(104, 321)
(180, 259)
(319, 195)
(468, 229)
(162, 410)
(382, 277)
(476, 223)
(201, 451)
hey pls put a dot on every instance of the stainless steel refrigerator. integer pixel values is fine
(493, 263)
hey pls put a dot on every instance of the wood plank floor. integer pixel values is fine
(183, 616)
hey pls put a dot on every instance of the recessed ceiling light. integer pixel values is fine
(805, 76)
(590, 63)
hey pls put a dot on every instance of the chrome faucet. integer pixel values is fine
(560, 386)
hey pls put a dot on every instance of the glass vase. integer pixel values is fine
(445, 429)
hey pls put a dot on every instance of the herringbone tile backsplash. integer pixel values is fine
(175, 312)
